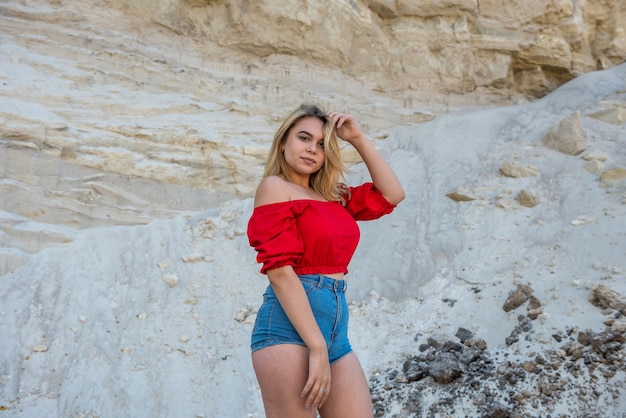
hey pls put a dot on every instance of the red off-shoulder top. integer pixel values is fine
(315, 237)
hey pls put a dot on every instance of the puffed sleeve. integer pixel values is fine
(273, 233)
(366, 202)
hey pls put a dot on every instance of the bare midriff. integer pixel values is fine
(336, 276)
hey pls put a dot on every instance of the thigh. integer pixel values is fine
(282, 371)
(349, 391)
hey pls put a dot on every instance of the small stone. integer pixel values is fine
(515, 170)
(594, 166)
(604, 297)
(612, 176)
(568, 137)
(517, 297)
(196, 258)
(463, 334)
(476, 343)
(480, 399)
(40, 348)
(528, 199)
(594, 156)
(171, 280)
(461, 194)
(529, 366)
(401, 378)
(582, 220)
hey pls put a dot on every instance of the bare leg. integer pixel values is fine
(282, 371)
(349, 391)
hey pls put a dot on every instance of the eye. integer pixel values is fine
(303, 138)
(321, 145)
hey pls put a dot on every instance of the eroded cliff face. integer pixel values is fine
(449, 47)
(122, 111)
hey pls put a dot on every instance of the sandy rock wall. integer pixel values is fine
(118, 112)
(450, 47)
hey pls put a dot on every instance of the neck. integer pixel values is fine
(300, 181)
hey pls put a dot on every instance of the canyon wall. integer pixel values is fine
(449, 47)
(118, 112)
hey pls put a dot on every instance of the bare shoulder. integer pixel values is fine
(272, 189)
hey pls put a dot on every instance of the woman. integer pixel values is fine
(303, 228)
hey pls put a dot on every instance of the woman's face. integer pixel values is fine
(304, 146)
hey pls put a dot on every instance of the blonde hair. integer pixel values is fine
(328, 180)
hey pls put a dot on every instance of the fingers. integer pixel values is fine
(316, 391)
(346, 126)
(322, 395)
(339, 118)
(316, 396)
(317, 387)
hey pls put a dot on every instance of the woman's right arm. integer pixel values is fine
(295, 303)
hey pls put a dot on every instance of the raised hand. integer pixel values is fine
(346, 126)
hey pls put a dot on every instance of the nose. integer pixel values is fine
(312, 147)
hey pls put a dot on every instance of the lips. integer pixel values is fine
(308, 160)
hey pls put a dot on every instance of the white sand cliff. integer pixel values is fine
(129, 288)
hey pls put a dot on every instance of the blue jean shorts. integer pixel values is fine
(327, 297)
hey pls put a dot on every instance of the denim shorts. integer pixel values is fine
(328, 301)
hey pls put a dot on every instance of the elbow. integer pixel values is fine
(278, 276)
(397, 201)
(397, 197)
(401, 196)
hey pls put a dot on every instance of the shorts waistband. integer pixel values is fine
(322, 281)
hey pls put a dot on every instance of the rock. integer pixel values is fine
(574, 350)
(439, 339)
(414, 370)
(462, 194)
(469, 355)
(620, 325)
(450, 346)
(615, 114)
(243, 314)
(582, 220)
(611, 177)
(569, 137)
(479, 399)
(517, 297)
(604, 297)
(171, 280)
(505, 203)
(534, 383)
(534, 308)
(401, 378)
(515, 170)
(523, 326)
(463, 334)
(476, 343)
(528, 199)
(595, 156)
(584, 338)
(594, 166)
(445, 368)
(529, 366)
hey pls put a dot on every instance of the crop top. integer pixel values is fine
(313, 236)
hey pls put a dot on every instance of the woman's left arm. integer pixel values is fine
(383, 177)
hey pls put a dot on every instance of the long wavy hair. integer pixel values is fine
(328, 181)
